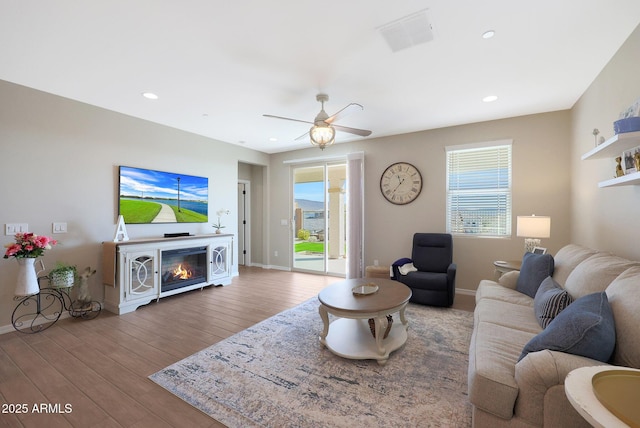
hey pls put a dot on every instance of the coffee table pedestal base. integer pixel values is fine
(351, 338)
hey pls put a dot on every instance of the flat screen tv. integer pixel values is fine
(148, 196)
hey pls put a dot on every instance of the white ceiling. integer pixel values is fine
(218, 66)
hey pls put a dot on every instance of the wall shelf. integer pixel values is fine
(614, 146)
(625, 180)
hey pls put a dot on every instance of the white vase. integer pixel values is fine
(27, 281)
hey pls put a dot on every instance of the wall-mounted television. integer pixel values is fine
(148, 196)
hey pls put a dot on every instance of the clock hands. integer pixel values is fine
(399, 184)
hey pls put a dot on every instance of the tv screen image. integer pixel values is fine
(148, 196)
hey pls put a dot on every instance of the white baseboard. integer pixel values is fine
(466, 291)
(260, 265)
(9, 328)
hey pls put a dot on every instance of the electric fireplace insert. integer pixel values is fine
(183, 267)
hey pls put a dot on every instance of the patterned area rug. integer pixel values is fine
(277, 374)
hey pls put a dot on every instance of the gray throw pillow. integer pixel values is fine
(550, 300)
(535, 268)
(586, 327)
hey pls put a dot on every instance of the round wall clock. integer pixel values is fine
(401, 183)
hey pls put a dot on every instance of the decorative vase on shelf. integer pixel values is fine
(27, 281)
(218, 231)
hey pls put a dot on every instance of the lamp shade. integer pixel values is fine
(533, 226)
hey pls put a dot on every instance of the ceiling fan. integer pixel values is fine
(323, 131)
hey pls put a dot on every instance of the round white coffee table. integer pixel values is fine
(348, 334)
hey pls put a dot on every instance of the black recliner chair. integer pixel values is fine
(434, 281)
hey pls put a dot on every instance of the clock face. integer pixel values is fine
(401, 183)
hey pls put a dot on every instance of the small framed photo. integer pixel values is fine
(539, 250)
(628, 160)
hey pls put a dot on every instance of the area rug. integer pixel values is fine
(277, 374)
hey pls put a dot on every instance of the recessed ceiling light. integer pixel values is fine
(273, 139)
(488, 34)
(150, 95)
(490, 98)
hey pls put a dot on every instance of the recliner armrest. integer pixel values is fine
(451, 272)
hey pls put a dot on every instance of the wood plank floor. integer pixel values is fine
(93, 373)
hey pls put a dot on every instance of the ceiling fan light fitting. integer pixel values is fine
(322, 135)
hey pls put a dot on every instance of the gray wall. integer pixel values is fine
(59, 163)
(541, 185)
(605, 218)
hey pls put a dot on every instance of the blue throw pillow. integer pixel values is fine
(550, 300)
(586, 327)
(535, 268)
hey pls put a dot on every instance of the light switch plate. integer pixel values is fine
(13, 228)
(59, 227)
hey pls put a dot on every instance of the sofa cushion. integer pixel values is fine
(535, 268)
(493, 353)
(624, 295)
(488, 289)
(567, 259)
(550, 300)
(508, 314)
(595, 274)
(586, 327)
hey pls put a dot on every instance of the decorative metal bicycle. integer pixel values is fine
(38, 312)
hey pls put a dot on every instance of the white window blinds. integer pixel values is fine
(479, 189)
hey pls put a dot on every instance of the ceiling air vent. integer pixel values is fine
(409, 31)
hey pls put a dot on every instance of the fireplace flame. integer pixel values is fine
(181, 273)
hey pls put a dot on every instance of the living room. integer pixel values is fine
(72, 151)
(60, 159)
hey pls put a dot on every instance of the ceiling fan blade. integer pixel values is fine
(351, 108)
(286, 118)
(306, 134)
(361, 132)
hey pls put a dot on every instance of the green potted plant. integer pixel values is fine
(63, 275)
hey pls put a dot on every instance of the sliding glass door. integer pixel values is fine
(319, 241)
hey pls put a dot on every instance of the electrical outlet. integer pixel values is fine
(375, 262)
(275, 253)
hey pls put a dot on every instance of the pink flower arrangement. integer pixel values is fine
(29, 245)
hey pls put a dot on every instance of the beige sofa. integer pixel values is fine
(530, 393)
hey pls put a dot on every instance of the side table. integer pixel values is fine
(578, 385)
(501, 267)
(377, 272)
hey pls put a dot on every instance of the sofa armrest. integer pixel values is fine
(509, 279)
(538, 374)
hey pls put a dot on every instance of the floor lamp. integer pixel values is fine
(532, 228)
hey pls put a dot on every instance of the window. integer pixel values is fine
(479, 189)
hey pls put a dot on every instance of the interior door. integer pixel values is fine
(242, 223)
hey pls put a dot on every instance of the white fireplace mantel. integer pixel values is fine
(131, 269)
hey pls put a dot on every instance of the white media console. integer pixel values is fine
(137, 272)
